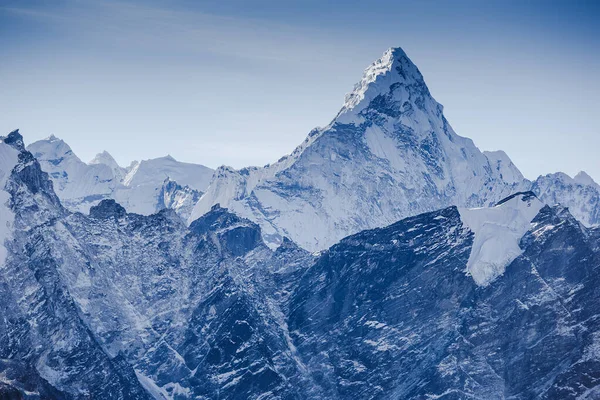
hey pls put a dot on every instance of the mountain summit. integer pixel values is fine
(392, 71)
(389, 153)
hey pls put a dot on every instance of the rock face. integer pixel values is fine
(393, 313)
(142, 188)
(46, 349)
(388, 154)
(181, 199)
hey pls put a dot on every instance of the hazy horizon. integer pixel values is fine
(241, 85)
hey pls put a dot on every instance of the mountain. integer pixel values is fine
(137, 187)
(389, 153)
(78, 184)
(580, 194)
(105, 158)
(494, 303)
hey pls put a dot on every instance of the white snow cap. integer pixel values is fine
(104, 158)
(583, 178)
(392, 68)
(498, 231)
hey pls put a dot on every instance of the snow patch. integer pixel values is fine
(498, 231)
(151, 387)
(584, 179)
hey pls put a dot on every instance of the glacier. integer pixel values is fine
(498, 231)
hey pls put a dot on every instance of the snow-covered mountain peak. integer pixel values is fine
(498, 231)
(52, 150)
(392, 82)
(388, 154)
(79, 185)
(148, 171)
(105, 158)
(140, 188)
(583, 178)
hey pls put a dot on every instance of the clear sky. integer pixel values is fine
(243, 82)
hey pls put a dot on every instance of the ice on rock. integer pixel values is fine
(498, 231)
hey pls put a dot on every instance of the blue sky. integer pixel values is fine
(242, 82)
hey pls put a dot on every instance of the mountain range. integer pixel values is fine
(388, 154)
(143, 187)
(385, 258)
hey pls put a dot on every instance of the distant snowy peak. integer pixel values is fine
(580, 194)
(106, 159)
(139, 187)
(78, 185)
(51, 150)
(584, 179)
(498, 231)
(381, 78)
